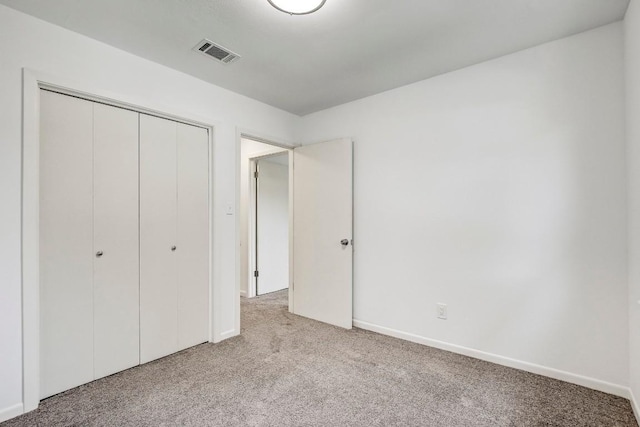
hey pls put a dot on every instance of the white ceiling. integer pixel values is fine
(348, 50)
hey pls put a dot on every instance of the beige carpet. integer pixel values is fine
(285, 370)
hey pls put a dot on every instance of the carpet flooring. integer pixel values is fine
(284, 370)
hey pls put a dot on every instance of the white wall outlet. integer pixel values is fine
(441, 311)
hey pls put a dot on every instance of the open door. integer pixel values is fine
(323, 232)
(272, 224)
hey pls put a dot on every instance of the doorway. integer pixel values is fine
(320, 225)
(264, 218)
(270, 227)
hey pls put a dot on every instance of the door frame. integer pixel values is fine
(32, 82)
(278, 143)
(252, 284)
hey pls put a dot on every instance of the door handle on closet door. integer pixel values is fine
(173, 248)
(99, 254)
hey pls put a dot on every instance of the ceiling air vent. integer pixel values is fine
(217, 52)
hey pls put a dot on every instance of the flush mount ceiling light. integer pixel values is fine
(297, 7)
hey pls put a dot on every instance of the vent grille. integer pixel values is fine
(217, 52)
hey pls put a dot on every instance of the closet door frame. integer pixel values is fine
(32, 83)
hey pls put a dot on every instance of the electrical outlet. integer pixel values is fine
(441, 311)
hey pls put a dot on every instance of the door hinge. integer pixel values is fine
(255, 175)
(255, 273)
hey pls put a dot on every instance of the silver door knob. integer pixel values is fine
(344, 242)
(173, 248)
(99, 254)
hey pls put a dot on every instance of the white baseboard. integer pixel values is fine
(11, 412)
(243, 293)
(588, 382)
(634, 405)
(228, 334)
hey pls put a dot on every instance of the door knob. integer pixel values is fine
(344, 242)
(173, 248)
(99, 254)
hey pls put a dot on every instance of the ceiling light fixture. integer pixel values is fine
(297, 7)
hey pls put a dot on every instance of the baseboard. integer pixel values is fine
(228, 334)
(588, 382)
(243, 294)
(11, 412)
(634, 405)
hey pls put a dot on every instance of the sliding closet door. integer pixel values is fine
(66, 243)
(158, 216)
(115, 273)
(193, 235)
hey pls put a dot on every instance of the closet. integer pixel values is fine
(124, 239)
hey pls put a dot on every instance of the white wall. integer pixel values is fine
(498, 189)
(248, 149)
(632, 72)
(28, 42)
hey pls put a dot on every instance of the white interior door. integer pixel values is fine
(193, 235)
(322, 232)
(66, 243)
(272, 223)
(158, 261)
(115, 231)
